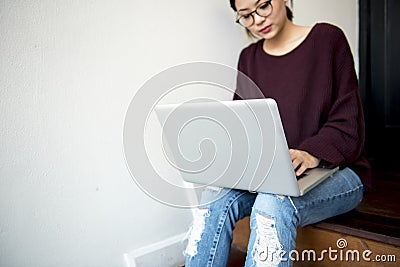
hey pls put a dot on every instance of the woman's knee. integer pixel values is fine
(273, 213)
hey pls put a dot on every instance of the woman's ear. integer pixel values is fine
(289, 3)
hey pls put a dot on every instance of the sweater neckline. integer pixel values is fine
(291, 51)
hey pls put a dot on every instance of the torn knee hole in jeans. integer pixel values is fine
(196, 231)
(267, 247)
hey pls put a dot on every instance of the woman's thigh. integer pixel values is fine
(340, 193)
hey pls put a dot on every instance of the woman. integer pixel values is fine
(310, 72)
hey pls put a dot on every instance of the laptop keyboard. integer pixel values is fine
(304, 174)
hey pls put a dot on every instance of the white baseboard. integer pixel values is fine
(166, 253)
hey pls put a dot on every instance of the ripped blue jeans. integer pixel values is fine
(273, 220)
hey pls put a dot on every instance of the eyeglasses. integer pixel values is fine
(263, 10)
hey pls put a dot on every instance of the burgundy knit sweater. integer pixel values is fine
(316, 88)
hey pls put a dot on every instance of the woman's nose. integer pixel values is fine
(258, 19)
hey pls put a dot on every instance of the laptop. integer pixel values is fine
(237, 144)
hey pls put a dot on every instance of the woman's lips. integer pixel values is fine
(266, 29)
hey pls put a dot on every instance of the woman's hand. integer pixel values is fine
(302, 161)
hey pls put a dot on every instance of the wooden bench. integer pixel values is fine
(374, 225)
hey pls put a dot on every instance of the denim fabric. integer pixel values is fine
(273, 220)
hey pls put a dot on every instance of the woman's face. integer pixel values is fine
(264, 27)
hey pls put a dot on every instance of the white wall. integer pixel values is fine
(68, 72)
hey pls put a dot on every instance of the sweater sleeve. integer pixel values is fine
(238, 95)
(242, 80)
(340, 140)
(246, 88)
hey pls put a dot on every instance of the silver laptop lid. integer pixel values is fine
(234, 144)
